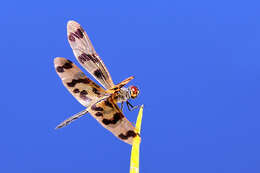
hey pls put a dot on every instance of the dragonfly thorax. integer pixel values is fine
(125, 94)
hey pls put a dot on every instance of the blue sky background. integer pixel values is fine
(197, 64)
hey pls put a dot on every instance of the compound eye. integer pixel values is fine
(134, 91)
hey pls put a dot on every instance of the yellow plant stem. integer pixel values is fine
(134, 163)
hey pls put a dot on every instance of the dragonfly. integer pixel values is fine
(99, 102)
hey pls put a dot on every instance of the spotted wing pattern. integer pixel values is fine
(82, 88)
(108, 114)
(86, 54)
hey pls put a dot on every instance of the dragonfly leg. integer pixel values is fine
(122, 105)
(130, 106)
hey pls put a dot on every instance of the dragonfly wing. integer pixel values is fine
(86, 54)
(79, 85)
(120, 85)
(108, 114)
(71, 119)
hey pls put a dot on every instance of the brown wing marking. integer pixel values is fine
(79, 85)
(107, 113)
(86, 54)
(120, 85)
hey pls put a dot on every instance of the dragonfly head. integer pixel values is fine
(134, 91)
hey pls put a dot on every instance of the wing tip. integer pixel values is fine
(60, 126)
(72, 24)
(57, 127)
(59, 60)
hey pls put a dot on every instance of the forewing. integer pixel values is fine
(86, 54)
(107, 113)
(120, 85)
(79, 85)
